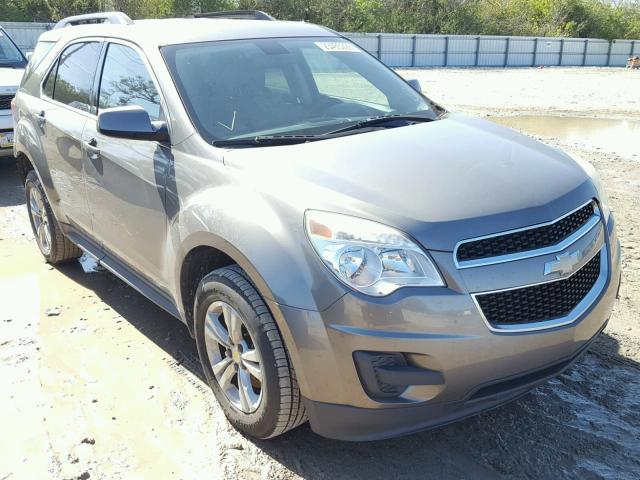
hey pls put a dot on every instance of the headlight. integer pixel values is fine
(595, 178)
(368, 256)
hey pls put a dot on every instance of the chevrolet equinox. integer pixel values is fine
(342, 249)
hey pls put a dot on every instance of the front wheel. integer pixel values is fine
(53, 244)
(243, 356)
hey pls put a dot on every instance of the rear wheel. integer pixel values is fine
(54, 246)
(244, 357)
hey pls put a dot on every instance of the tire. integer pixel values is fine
(53, 244)
(279, 407)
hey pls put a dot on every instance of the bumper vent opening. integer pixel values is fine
(387, 374)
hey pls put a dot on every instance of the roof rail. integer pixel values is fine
(237, 14)
(102, 17)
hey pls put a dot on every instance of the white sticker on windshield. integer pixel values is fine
(337, 46)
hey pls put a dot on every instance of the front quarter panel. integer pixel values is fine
(212, 205)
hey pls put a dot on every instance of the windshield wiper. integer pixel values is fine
(381, 121)
(267, 140)
(369, 123)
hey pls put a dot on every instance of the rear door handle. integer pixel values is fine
(93, 152)
(41, 119)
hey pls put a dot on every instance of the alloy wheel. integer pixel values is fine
(40, 219)
(233, 355)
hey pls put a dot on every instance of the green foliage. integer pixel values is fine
(568, 18)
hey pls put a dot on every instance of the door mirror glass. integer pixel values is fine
(415, 84)
(131, 122)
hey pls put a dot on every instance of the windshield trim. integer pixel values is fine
(18, 64)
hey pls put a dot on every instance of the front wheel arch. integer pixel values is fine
(221, 254)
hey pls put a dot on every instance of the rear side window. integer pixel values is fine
(50, 81)
(74, 78)
(126, 81)
(41, 50)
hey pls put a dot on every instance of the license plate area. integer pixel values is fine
(6, 139)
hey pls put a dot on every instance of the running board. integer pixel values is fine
(121, 271)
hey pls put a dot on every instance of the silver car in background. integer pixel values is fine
(12, 64)
(342, 249)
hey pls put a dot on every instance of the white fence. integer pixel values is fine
(402, 50)
(25, 34)
(405, 50)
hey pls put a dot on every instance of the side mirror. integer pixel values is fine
(29, 55)
(415, 84)
(131, 122)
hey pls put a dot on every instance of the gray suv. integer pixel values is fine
(341, 248)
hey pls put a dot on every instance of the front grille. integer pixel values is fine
(5, 101)
(530, 239)
(539, 303)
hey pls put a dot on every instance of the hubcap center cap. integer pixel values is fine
(235, 355)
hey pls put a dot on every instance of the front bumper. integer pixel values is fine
(345, 422)
(440, 330)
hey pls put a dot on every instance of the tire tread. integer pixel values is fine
(291, 412)
(62, 249)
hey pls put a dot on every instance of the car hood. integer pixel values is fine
(441, 182)
(10, 79)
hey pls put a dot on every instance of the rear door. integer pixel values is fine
(67, 105)
(126, 178)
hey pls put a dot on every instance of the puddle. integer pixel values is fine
(621, 137)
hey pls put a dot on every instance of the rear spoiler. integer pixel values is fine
(102, 17)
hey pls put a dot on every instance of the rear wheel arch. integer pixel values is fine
(24, 166)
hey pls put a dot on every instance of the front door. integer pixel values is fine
(126, 178)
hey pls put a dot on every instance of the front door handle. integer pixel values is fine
(93, 152)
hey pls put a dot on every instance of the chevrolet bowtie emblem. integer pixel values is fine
(563, 264)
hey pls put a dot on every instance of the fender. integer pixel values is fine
(28, 144)
(248, 228)
(208, 239)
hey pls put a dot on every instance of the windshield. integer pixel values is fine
(10, 55)
(285, 86)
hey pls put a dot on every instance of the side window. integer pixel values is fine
(76, 68)
(126, 81)
(41, 50)
(47, 88)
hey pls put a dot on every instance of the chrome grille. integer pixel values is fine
(527, 239)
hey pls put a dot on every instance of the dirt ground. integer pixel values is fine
(97, 382)
(597, 92)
